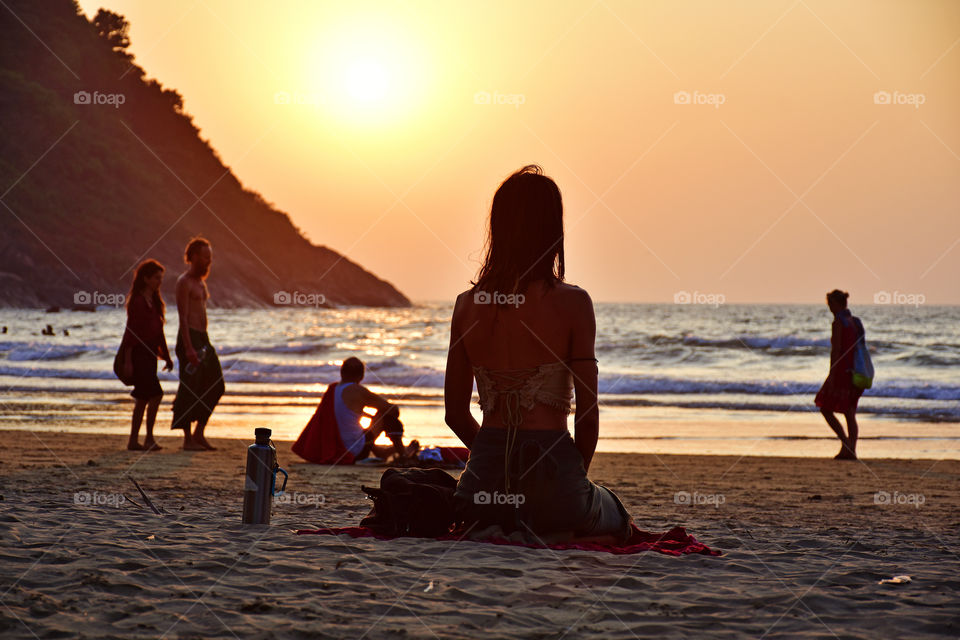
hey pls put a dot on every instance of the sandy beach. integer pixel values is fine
(805, 543)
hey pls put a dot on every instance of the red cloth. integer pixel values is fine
(320, 440)
(675, 542)
(838, 393)
(454, 454)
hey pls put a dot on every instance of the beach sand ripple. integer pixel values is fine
(805, 545)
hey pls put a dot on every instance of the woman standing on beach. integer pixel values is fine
(143, 343)
(527, 338)
(838, 393)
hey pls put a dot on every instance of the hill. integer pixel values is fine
(101, 167)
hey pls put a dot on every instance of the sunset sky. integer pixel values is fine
(383, 130)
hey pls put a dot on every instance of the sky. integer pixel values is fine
(753, 151)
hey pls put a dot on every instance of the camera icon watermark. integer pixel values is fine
(112, 99)
(299, 299)
(696, 97)
(485, 297)
(99, 299)
(896, 97)
(97, 499)
(499, 498)
(497, 98)
(696, 499)
(896, 498)
(685, 297)
(300, 499)
(898, 297)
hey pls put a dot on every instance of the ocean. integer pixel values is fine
(674, 378)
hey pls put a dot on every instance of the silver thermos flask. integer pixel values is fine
(260, 480)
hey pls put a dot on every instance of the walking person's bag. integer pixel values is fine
(118, 366)
(862, 365)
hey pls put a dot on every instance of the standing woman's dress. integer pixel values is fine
(144, 334)
(838, 394)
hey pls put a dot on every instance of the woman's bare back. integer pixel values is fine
(547, 325)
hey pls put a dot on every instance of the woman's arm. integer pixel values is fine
(164, 351)
(183, 310)
(458, 385)
(586, 424)
(836, 338)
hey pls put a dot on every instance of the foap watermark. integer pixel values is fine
(696, 97)
(485, 297)
(112, 99)
(299, 299)
(485, 97)
(97, 299)
(896, 97)
(296, 98)
(709, 499)
(897, 498)
(685, 297)
(300, 499)
(898, 297)
(496, 498)
(97, 499)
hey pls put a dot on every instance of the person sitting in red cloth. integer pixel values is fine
(335, 436)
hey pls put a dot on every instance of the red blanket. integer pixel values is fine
(320, 440)
(675, 542)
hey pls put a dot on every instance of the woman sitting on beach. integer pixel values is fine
(143, 343)
(528, 340)
(838, 393)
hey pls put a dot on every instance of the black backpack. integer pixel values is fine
(412, 502)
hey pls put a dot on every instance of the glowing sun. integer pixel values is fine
(370, 72)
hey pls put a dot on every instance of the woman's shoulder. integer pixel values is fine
(571, 290)
(569, 297)
(560, 291)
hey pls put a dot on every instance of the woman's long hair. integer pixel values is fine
(147, 269)
(525, 239)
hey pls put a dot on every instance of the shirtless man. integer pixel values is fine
(201, 378)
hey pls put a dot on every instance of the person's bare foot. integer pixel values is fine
(202, 442)
(151, 445)
(133, 445)
(845, 454)
(193, 445)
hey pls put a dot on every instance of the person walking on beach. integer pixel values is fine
(527, 338)
(201, 378)
(838, 393)
(143, 344)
